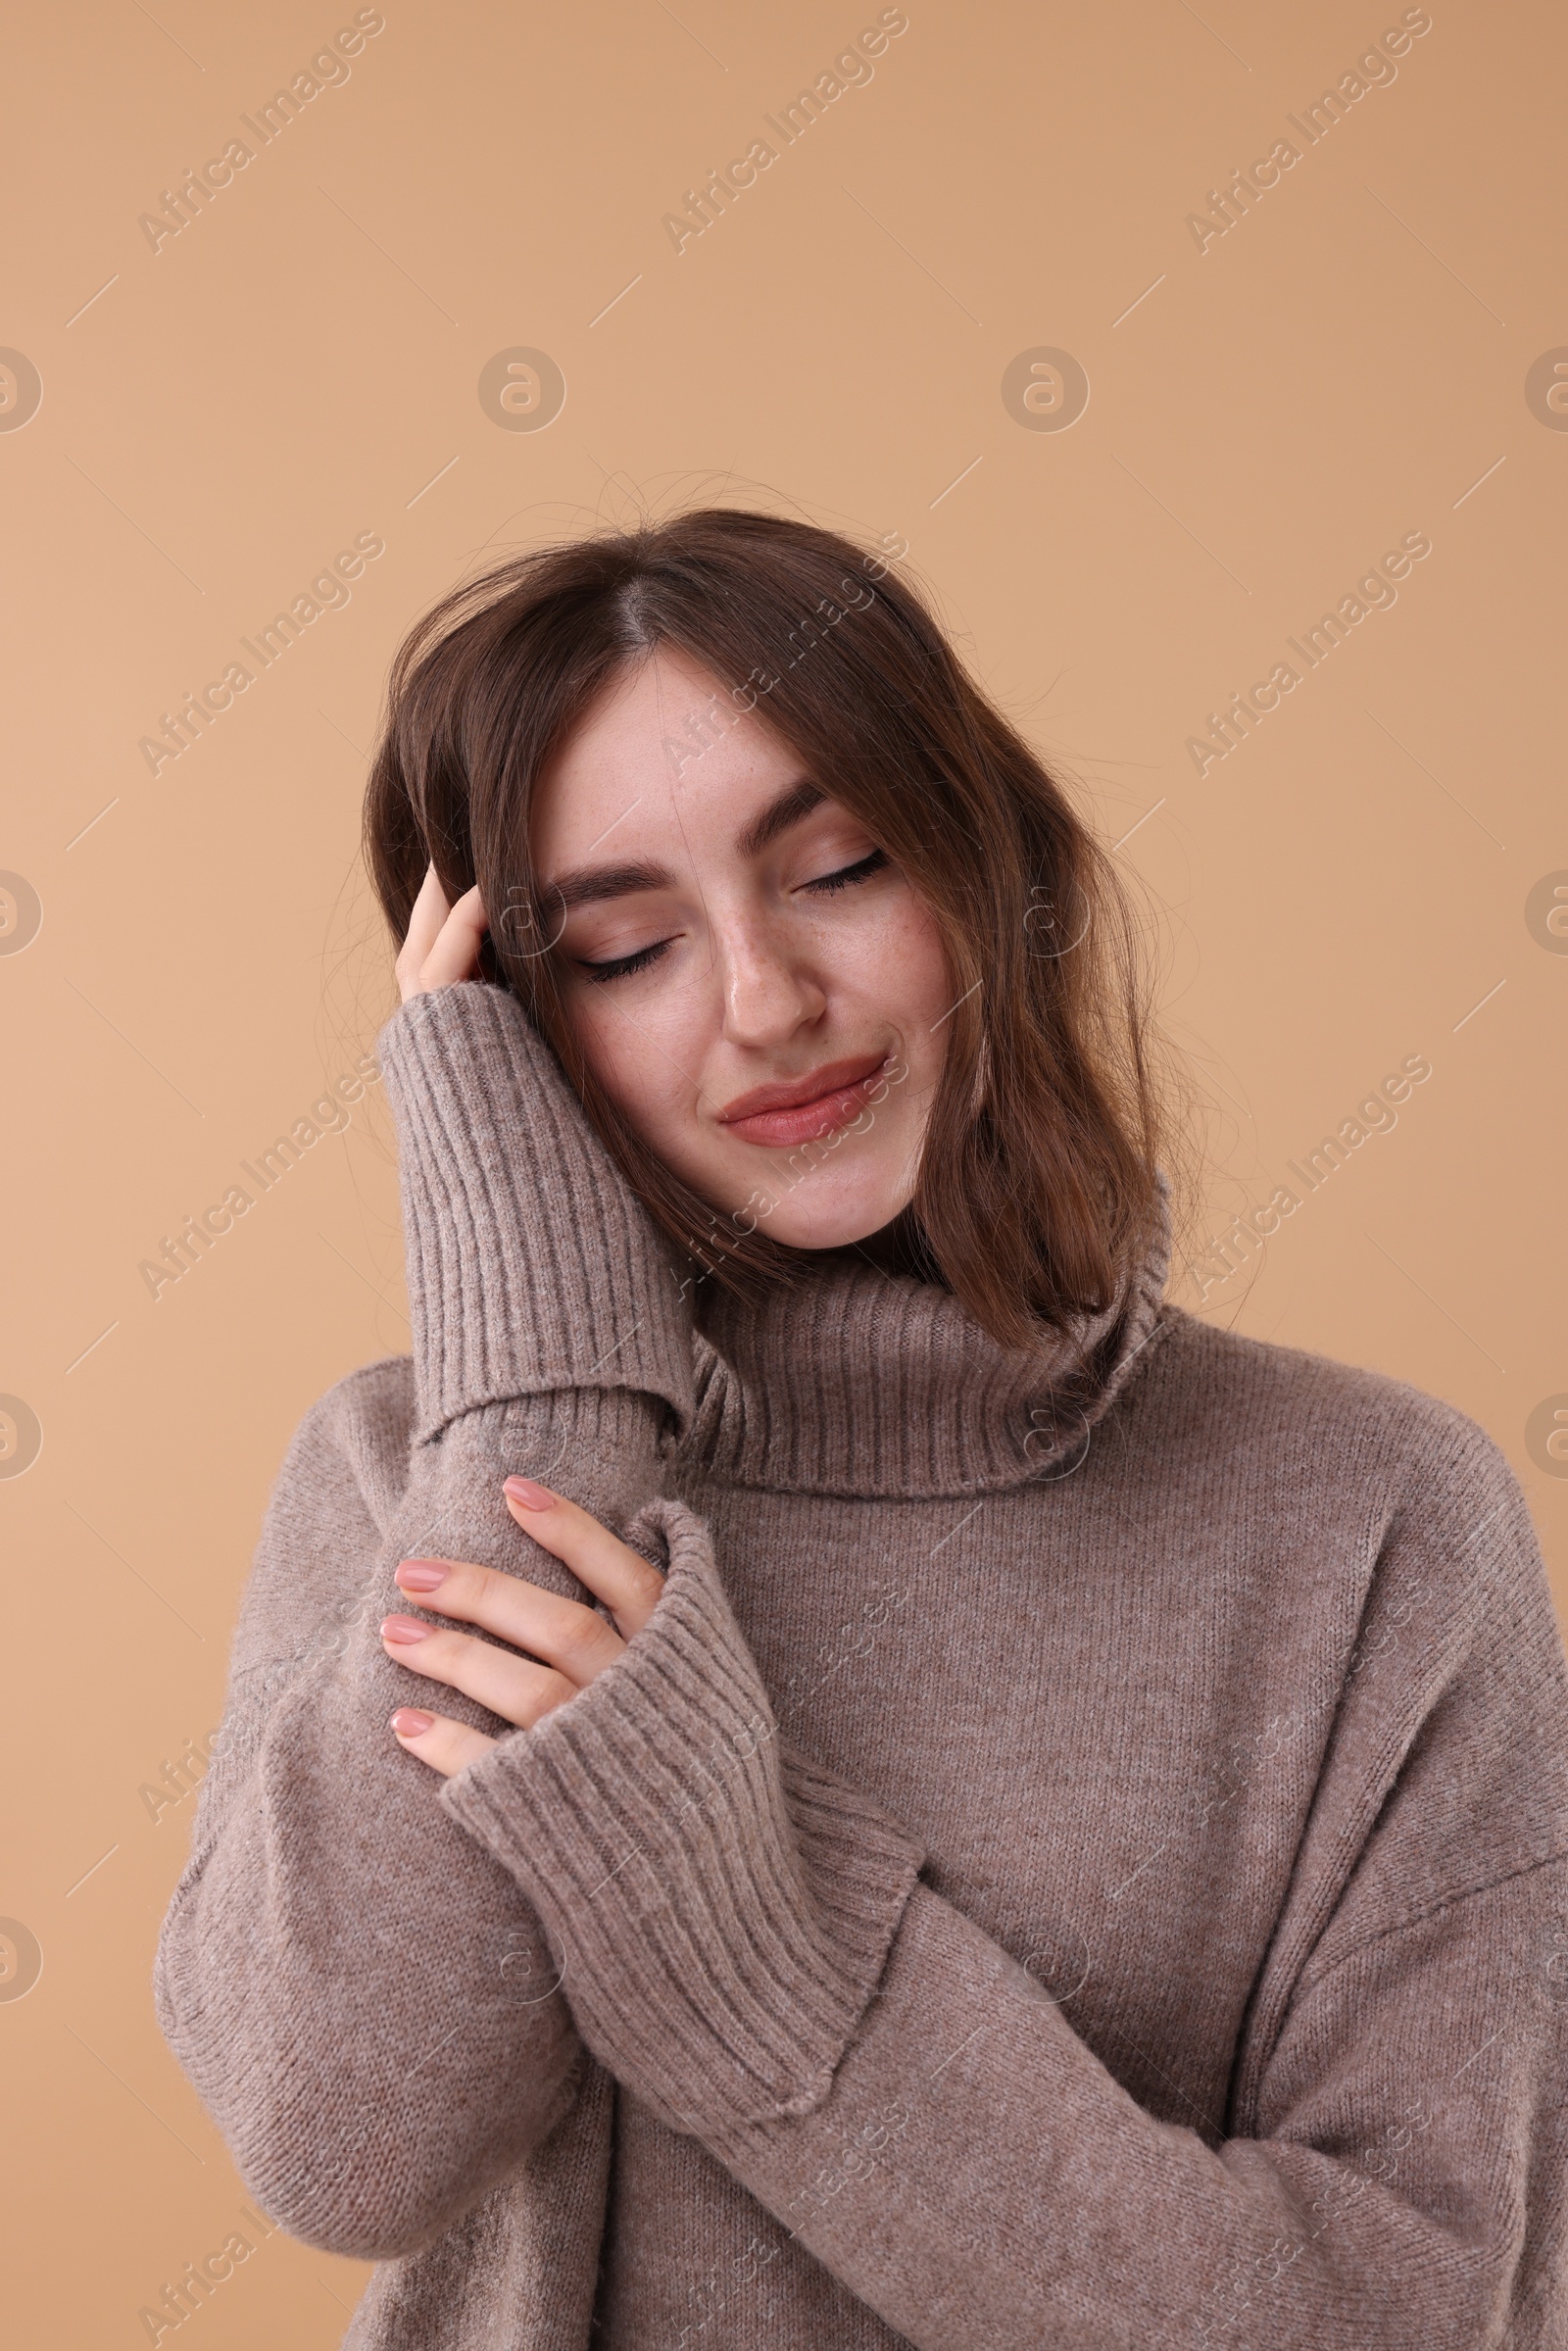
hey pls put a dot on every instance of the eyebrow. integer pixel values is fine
(588, 885)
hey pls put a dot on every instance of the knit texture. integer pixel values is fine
(531, 1266)
(1053, 1868)
(722, 1919)
(873, 1389)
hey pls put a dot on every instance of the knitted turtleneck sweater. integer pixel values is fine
(1091, 1877)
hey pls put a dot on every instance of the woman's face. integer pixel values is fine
(752, 981)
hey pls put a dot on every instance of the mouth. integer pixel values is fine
(806, 1109)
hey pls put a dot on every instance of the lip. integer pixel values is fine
(799, 1109)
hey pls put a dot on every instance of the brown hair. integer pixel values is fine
(1033, 1205)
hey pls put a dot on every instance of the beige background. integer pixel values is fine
(301, 364)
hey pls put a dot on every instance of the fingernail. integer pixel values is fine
(410, 1722)
(421, 1575)
(527, 1492)
(404, 1627)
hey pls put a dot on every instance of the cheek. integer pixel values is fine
(643, 1060)
(897, 968)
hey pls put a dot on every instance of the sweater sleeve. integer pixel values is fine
(981, 2180)
(932, 2128)
(723, 1908)
(362, 1996)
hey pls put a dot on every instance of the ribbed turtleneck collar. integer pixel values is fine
(863, 1382)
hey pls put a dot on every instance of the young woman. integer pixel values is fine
(820, 1767)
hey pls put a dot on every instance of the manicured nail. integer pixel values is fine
(422, 1575)
(410, 1722)
(529, 1493)
(404, 1627)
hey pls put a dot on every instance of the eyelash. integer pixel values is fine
(848, 875)
(622, 966)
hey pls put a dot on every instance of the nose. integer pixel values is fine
(770, 990)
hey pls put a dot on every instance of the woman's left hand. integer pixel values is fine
(575, 1640)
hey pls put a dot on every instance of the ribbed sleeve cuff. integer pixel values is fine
(724, 1907)
(531, 1263)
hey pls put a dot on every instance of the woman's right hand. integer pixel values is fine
(443, 942)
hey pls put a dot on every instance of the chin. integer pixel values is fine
(835, 1216)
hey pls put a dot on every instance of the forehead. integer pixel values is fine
(663, 749)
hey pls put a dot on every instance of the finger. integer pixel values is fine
(437, 1741)
(565, 1633)
(455, 954)
(430, 910)
(517, 1688)
(621, 1576)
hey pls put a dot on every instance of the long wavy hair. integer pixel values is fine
(1037, 1188)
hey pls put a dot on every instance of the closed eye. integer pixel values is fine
(621, 965)
(848, 875)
